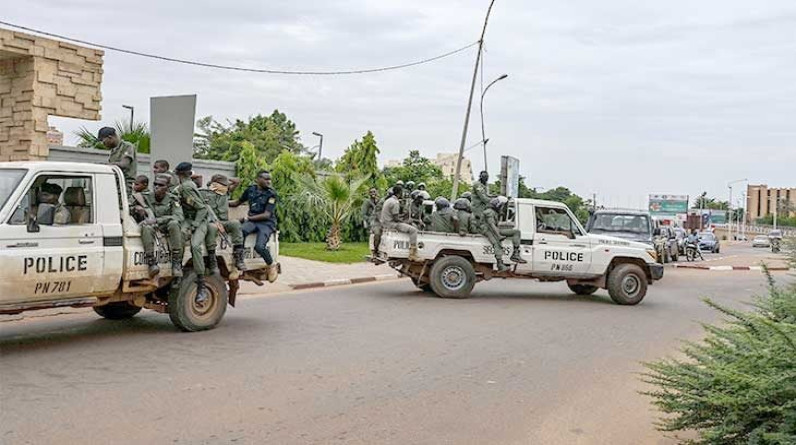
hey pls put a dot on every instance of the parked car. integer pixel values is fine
(761, 241)
(709, 243)
(775, 234)
(672, 250)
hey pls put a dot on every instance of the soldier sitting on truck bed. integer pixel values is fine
(162, 213)
(489, 228)
(467, 224)
(217, 196)
(161, 167)
(391, 219)
(444, 220)
(261, 219)
(196, 217)
(416, 214)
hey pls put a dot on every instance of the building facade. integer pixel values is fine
(761, 201)
(447, 163)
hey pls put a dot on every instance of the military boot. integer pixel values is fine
(202, 294)
(413, 254)
(152, 261)
(272, 271)
(212, 262)
(237, 254)
(176, 266)
(501, 267)
(516, 256)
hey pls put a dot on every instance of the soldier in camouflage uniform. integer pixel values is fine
(369, 207)
(122, 155)
(164, 214)
(444, 220)
(392, 219)
(467, 224)
(416, 212)
(196, 218)
(217, 198)
(480, 196)
(490, 229)
(375, 222)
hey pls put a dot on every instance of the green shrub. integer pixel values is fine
(738, 386)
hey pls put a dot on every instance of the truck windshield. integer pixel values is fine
(9, 179)
(613, 222)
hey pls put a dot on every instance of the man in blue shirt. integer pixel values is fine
(261, 218)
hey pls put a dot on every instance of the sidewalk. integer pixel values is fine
(297, 274)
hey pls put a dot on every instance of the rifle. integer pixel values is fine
(214, 219)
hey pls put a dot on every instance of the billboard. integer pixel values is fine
(668, 204)
(509, 176)
(171, 121)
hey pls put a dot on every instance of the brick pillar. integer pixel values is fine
(20, 138)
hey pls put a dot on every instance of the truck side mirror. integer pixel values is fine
(33, 225)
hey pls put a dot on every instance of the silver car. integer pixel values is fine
(761, 241)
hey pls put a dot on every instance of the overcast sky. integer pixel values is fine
(620, 98)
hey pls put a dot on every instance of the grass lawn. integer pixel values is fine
(348, 253)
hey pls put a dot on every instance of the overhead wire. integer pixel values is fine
(243, 69)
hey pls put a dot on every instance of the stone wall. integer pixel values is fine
(41, 77)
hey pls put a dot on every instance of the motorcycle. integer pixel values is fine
(692, 251)
(775, 245)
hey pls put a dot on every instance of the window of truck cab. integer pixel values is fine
(75, 203)
(555, 220)
(9, 180)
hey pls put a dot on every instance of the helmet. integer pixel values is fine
(390, 192)
(424, 194)
(414, 194)
(399, 183)
(410, 185)
(468, 196)
(421, 186)
(462, 204)
(498, 202)
(442, 203)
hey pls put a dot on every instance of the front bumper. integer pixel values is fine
(656, 271)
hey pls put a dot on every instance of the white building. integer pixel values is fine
(447, 163)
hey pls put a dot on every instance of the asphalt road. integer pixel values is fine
(519, 362)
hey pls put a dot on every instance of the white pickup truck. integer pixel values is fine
(553, 242)
(96, 258)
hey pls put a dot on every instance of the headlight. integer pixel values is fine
(653, 254)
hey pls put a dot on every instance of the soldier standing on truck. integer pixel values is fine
(480, 196)
(495, 235)
(196, 213)
(391, 219)
(217, 197)
(163, 213)
(466, 220)
(161, 167)
(369, 207)
(416, 213)
(262, 201)
(122, 154)
(375, 222)
(444, 220)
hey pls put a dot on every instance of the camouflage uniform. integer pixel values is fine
(466, 223)
(444, 221)
(219, 205)
(121, 151)
(375, 224)
(196, 217)
(494, 234)
(168, 220)
(480, 199)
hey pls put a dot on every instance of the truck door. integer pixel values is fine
(50, 245)
(560, 247)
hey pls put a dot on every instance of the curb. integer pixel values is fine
(729, 268)
(345, 281)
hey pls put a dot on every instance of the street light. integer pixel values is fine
(483, 135)
(729, 207)
(132, 114)
(320, 145)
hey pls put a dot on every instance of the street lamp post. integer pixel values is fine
(455, 191)
(729, 208)
(483, 133)
(320, 145)
(132, 115)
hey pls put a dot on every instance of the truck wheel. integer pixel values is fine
(627, 284)
(582, 289)
(189, 316)
(120, 310)
(452, 277)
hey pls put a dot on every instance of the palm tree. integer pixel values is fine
(332, 197)
(138, 136)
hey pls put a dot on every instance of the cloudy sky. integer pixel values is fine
(620, 98)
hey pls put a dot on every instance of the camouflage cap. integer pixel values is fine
(219, 178)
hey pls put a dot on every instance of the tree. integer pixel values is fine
(269, 135)
(360, 159)
(334, 197)
(704, 202)
(414, 168)
(138, 136)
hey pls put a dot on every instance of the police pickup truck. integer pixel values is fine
(554, 244)
(85, 250)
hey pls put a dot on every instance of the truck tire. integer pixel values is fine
(120, 310)
(452, 277)
(186, 314)
(582, 289)
(627, 284)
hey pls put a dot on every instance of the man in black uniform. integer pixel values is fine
(262, 217)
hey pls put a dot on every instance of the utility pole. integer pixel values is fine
(456, 174)
(484, 139)
(320, 145)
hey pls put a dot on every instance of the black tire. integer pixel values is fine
(186, 314)
(452, 277)
(582, 289)
(120, 310)
(627, 284)
(425, 287)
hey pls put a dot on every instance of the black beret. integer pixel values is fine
(183, 167)
(105, 132)
(53, 189)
